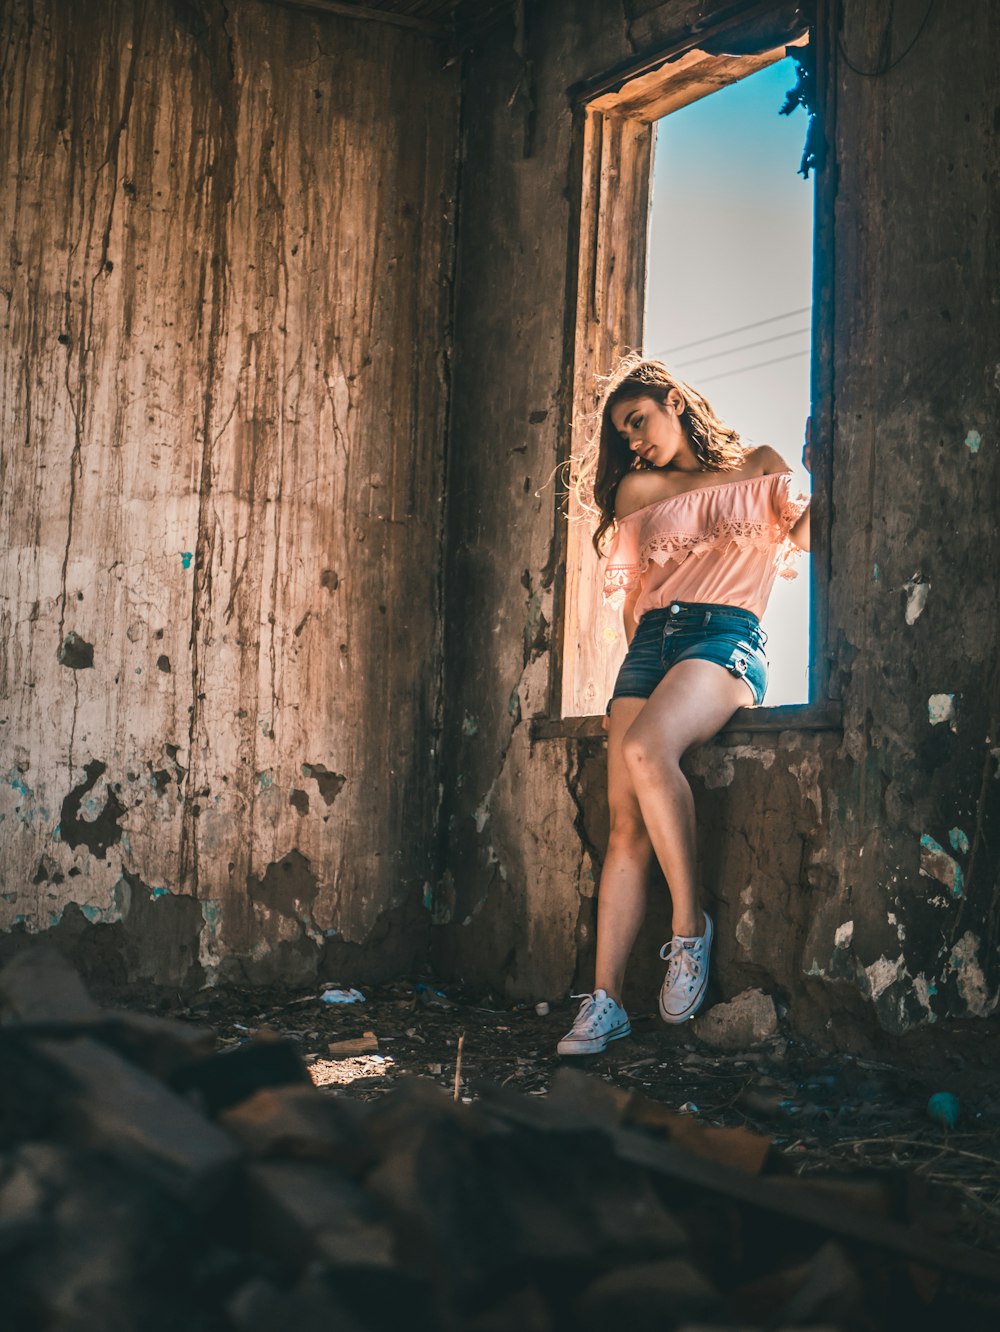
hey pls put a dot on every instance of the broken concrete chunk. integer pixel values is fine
(40, 986)
(117, 1107)
(744, 1021)
(636, 1296)
(161, 1046)
(300, 1210)
(312, 1306)
(230, 1077)
(301, 1123)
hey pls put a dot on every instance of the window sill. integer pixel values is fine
(760, 721)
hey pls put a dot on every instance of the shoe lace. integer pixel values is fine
(680, 960)
(589, 1011)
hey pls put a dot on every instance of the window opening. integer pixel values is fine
(728, 294)
(624, 117)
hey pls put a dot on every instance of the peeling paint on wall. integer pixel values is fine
(936, 863)
(187, 463)
(917, 591)
(843, 934)
(963, 960)
(941, 708)
(882, 974)
(959, 840)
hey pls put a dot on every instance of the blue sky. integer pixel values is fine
(731, 245)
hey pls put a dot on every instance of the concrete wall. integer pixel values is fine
(226, 263)
(853, 871)
(225, 654)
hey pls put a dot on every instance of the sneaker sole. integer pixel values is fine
(596, 1043)
(674, 1019)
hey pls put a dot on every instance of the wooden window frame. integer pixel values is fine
(615, 119)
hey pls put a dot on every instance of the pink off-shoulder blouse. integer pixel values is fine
(722, 543)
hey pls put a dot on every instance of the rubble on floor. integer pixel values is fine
(154, 1177)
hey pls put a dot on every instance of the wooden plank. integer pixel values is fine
(793, 1200)
(680, 81)
(610, 284)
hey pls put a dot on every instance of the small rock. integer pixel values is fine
(542, 1009)
(746, 1020)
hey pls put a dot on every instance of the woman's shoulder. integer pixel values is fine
(637, 489)
(765, 461)
(640, 488)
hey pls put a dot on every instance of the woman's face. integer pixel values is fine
(652, 429)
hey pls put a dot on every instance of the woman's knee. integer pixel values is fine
(628, 832)
(648, 755)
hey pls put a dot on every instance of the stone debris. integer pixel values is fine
(748, 1020)
(160, 1183)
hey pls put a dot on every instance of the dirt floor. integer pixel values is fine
(822, 1112)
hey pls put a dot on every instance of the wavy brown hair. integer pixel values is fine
(715, 445)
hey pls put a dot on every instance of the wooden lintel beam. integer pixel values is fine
(344, 9)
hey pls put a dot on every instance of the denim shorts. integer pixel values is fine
(693, 629)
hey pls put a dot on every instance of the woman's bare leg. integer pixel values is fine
(621, 900)
(692, 702)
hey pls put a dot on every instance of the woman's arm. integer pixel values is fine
(799, 534)
(773, 462)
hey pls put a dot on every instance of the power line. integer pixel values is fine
(746, 346)
(744, 328)
(759, 366)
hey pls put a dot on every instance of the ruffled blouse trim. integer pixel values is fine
(726, 531)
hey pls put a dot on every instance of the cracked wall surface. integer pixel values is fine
(227, 250)
(854, 872)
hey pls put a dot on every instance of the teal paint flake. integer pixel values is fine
(959, 841)
(186, 557)
(875, 572)
(469, 725)
(973, 441)
(18, 784)
(92, 913)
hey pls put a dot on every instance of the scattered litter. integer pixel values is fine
(542, 1009)
(334, 996)
(688, 1108)
(944, 1108)
(431, 998)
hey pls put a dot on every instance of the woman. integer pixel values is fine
(701, 525)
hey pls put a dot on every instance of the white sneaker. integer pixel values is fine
(686, 980)
(599, 1021)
